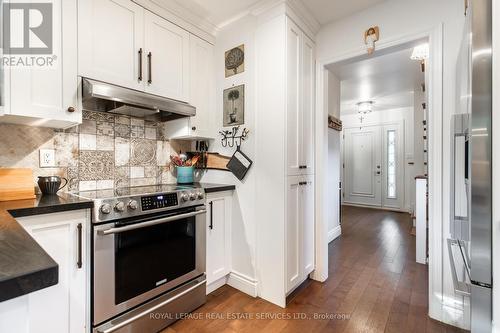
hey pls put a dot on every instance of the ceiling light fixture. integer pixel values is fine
(365, 107)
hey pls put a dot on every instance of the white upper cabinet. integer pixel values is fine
(167, 53)
(202, 94)
(307, 103)
(300, 87)
(293, 107)
(46, 95)
(122, 43)
(111, 42)
(202, 86)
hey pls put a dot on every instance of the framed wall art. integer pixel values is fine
(234, 106)
(234, 60)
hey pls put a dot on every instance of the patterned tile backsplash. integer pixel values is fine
(105, 151)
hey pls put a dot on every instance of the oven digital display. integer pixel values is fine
(159, 201)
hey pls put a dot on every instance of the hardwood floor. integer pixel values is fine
(374, 285)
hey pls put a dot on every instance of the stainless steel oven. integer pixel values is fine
(139, 258)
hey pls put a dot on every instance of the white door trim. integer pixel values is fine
(435, 89)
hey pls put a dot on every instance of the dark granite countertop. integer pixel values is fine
(24, 266)
(211, 188)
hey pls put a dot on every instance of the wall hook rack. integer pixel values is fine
(230, 138)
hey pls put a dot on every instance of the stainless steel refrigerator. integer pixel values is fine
(471, 204)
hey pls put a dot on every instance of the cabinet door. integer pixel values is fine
(307, 110)
(293, 90)
(308, 225)
(111, 37)
(43, 95)
(293, 233)
(202, 86)
(218, 237)
(61, 308)
(167, 53)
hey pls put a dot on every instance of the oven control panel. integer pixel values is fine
(159, 201)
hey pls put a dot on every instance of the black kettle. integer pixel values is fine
(50, 184)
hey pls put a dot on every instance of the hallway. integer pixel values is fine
(374, 285)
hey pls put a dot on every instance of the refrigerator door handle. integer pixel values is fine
(462, 288)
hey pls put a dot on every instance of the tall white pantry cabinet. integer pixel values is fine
(285, 137)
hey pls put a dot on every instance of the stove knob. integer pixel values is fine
(200, 195)
(192, 196)
(120, 206)
(184, 197)
(105, 208)
(132, 204)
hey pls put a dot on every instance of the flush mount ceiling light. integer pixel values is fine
(420, 52)
(365, 107)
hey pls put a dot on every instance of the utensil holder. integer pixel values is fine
(185, 175)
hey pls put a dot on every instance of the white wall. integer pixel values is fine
(334, 158)
(405, 117)
(243, 219)
(397, 19)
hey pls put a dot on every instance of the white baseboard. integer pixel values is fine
(216, 284)
(243, 283)
(334, 233)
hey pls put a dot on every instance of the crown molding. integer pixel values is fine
(293, 8)
(182, 16)
(196, 24)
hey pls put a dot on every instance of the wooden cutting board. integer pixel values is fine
(16, 184)
(217, 161)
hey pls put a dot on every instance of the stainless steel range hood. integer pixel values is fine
(105, 97)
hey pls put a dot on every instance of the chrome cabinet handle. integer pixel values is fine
(149, 223)
(150, 67)
(79, 256)
(140, 64)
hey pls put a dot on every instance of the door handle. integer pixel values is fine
(79, 246)
(140, 64)
(211, 225)
(150, 67)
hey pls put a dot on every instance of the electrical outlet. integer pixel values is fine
(47, 158)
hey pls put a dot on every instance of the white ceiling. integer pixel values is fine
(389, 80)
(218, 12)
(326, 11)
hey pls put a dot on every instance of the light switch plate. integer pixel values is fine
(47, 158)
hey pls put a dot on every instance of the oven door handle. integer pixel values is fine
(149, 223)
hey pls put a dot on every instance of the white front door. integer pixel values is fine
(362, 166)
(374, 166)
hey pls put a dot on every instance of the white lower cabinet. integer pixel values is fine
(299, 230)
(218, 227)
(62, 308)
